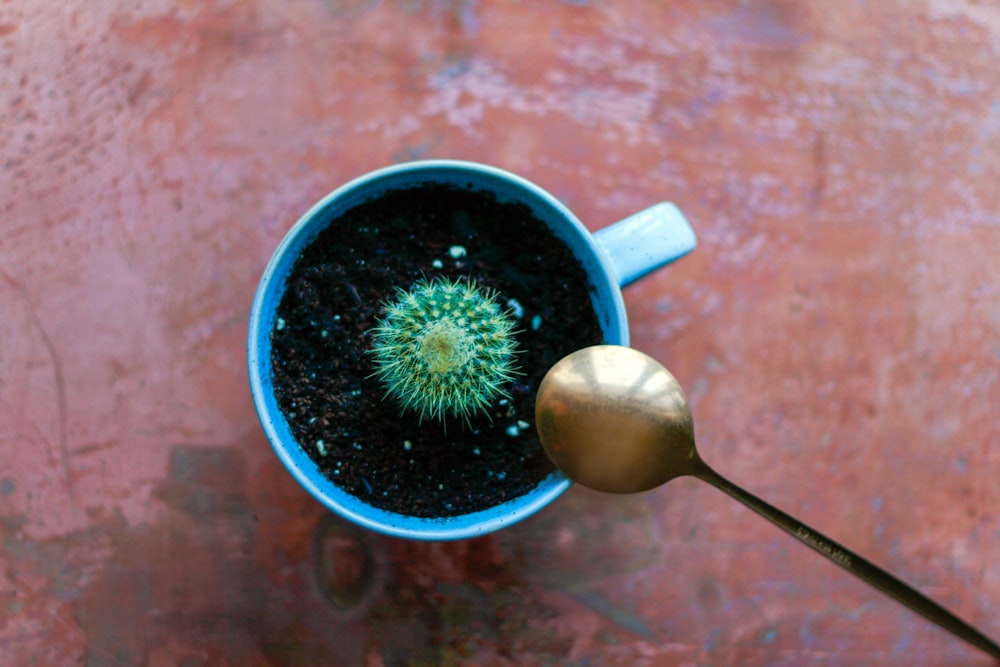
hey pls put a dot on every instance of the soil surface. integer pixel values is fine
(323, 372)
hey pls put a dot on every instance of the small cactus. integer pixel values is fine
(444, 348)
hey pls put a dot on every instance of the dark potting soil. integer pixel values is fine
(322, 371)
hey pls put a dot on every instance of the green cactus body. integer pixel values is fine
(444, 348)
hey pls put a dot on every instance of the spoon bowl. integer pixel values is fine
(615, 420)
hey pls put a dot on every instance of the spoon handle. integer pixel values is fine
(853, 563)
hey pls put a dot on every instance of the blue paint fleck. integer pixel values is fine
(7, 486)
(769, 636)
(468, 18)
(877, 503)
(453, 68)
(617, 615)
(961, 464)
(902, 646)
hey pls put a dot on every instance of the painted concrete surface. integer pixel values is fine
(838, 329)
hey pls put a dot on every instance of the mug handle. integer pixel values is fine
(645, 241)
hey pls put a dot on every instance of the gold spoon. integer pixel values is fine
(615, 420)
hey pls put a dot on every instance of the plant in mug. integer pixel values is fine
(438, 447)
(445, 348)
(353, 377)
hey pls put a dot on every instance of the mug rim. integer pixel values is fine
(270, 290)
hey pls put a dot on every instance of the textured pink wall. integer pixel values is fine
(838, 329)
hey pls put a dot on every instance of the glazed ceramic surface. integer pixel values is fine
(618, 255)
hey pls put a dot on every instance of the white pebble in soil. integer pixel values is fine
(457, 252)
(437, 264)
(513, 431)
(515, 308)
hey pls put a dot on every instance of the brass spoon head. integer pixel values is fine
(614, 419)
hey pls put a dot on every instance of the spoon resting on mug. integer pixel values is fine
(615, 420)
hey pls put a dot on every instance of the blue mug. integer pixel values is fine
(612, 257)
